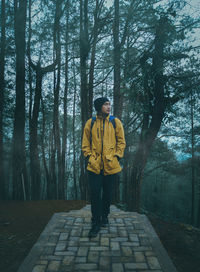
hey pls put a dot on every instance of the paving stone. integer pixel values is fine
(119, 239)
(85, 233)
(107, 253)
(144, 241)
(99, 248)
(104, 262)
(102, 231)
(153, 262)
(73, 238)
(72, 243)
(114, 245)
(93, 256)
(82, 251)
(149, 253)
(84, 239)
(112, 221)
(142, 248)
(54, 233)
(126, 251)
(53, 266)
(116, 253)
(88, 244)
(113, 230)
(49, 250)
(126, 259)
(86, 266)
(109, 235)
(53, 238)
(95, 239)
(68, 260)
(117, 267)
(135, 265)
(63, 236)
(126, 243)
(139, 257)
(72, 248)
(75, 232)
(79, 220)
(135, 244)
(39, 268)
(133, 237)
(104, 241)
(60, 246)
(129, 228)
(65, 253)
(80, 259)
(122, 232)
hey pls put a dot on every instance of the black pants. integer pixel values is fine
(101, 190)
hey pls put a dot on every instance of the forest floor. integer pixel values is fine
(22, 222)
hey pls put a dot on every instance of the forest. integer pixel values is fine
(56, 57)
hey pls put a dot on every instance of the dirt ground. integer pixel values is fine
(22, 222)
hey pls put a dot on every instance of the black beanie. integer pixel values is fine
(98, 103)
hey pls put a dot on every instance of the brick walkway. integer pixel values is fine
(128, 244)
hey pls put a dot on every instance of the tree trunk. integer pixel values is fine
(2, 89)
(117, 59)
(84, 51)
(151, 128)
(34, 155)
(64, 135)
(56, 128)
(74, 144)
(43, 147)
(20, 186)
(92, 62)
(33, 121)
(51, 187)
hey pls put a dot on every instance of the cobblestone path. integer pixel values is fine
(128, 244)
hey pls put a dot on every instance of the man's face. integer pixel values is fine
(106, 107)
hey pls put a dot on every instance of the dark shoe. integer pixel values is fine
(94, 230)
(104, 222)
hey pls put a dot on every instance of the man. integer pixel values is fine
(103, 145)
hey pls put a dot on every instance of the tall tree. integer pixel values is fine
(117, 60)
(154, 109)
(56, 125)
(20, 186)
(34, 152)
(84, 51)
(64, 134)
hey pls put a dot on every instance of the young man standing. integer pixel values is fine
(103, 145)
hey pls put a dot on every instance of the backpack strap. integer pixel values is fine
(92, 123)
(112, 120)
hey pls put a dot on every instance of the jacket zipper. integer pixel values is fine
(102, 144)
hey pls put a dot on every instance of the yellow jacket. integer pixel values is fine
(106, 145)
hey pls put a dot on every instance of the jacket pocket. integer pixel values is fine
(111, 162)
(94, 162)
